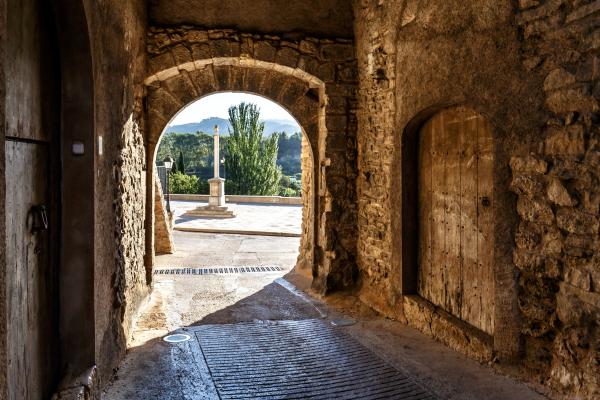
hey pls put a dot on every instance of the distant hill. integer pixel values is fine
(207, 125)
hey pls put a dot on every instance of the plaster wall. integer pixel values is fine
(321, 18)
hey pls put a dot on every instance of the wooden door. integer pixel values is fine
(456, 240)
(31, 211)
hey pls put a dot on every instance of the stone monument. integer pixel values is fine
(216, 207)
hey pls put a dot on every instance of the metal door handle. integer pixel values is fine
(39, 217)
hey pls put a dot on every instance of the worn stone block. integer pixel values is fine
(264, 51)
(287, 56)
(559, 195)
(558, 79)
(337, 52)
(529, 185)
(569, 141)
(576, 221)
(181, 54)
(535, 210)
(528, 165)
(201, 51)
(160, 62)
(571, 100)
(527, 236)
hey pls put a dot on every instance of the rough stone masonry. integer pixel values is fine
(533, 71)
(530, 68)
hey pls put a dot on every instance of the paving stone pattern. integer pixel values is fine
(306, 359)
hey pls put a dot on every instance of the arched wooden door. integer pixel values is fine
(456, 208)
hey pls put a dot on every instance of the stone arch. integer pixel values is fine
(325, 70)
(302, 98)
(503, 339)
(303, 75)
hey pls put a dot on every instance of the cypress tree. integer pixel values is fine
(251, 160)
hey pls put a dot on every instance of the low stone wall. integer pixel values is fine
(241, 199)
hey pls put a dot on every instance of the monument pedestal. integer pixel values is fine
(216, 207)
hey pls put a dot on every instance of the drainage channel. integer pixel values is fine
(217, 270)
(306, 359)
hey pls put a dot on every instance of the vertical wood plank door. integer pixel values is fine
(456, 210)
(31, 182)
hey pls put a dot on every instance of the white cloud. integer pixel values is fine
(216, 105)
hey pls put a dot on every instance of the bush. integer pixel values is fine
(288, 192)
(180, 183)
(289, 187)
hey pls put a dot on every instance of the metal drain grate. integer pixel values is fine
(306, 359)
(216, 270)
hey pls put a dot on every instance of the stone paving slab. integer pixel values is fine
(274, 219)
(199, 250)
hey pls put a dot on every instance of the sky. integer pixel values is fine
(216, 105)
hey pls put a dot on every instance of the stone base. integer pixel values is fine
(211, 212)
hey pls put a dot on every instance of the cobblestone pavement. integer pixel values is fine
(272, 218)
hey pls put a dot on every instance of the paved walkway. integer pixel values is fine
(267, 218)
(198, 250)
(239, 325)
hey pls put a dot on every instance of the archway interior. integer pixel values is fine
(188, 140)
(270, 234)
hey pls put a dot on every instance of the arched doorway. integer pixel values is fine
(301, 95)
(456, 216)
(192, 128)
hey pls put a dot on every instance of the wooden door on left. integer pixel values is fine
(32, 176)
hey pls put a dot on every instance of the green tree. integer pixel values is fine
(196, 149)
(181, 162)
(250, 159)
(180, 183)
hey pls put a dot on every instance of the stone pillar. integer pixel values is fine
(217, 185)
(216, 207)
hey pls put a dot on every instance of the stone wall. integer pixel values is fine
(163, 223)
(533, 73)
(557, 241)
(314, 79)
(306, 257)
(117, 31)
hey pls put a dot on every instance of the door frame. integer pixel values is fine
(77, 249)
(505, 342)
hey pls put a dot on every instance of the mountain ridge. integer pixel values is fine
(207, 125)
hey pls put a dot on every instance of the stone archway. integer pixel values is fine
(314, 80)
(292, 93)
